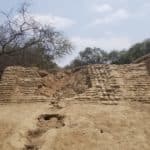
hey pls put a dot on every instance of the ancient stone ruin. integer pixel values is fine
(87, 108)
(101, 84)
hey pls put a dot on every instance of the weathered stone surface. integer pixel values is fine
(90, 108)
(93, 83)
(19, 84)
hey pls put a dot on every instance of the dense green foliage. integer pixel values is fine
(98, 56)
(136, 51)
(90, 56)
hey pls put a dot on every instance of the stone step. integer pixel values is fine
(7, 86)
(5, 93)
(109, 102)
(6, 89)
(25, 99)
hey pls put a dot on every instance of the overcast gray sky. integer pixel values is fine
(107, 24)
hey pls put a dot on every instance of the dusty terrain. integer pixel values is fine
(85, 126)
(99, 107)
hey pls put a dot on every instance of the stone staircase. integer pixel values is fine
(102, 84)
(19, 84)
(112, 84)
(136, 82)
(105, 88)
(7, 86)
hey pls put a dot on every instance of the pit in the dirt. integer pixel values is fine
(48, 121)
(30, 147)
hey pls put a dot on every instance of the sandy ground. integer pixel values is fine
(75, 127)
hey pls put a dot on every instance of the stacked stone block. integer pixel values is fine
(20, 84)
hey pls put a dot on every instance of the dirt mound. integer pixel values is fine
(64, 83)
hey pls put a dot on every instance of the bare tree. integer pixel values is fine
(22, 31)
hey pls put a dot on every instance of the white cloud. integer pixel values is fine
(55, 21)
(117, 15)
(102, 8)
(107, 43)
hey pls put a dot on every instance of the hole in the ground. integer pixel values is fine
(48, 117)
(51, 121)
(30, 147)
(101, 131)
